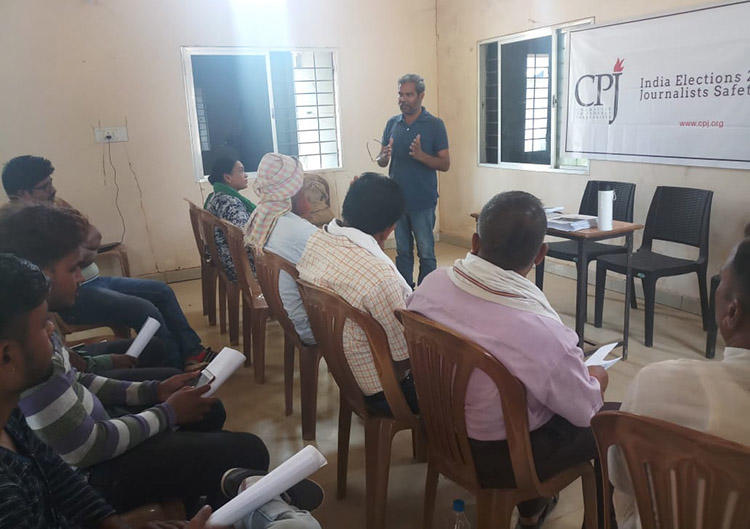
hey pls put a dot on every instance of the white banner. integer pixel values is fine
(667, 89)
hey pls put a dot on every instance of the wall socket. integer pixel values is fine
(110, 134)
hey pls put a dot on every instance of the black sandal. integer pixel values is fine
(548, 507)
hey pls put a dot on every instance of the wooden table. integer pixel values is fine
(619, 229)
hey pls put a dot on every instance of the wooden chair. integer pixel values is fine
(209, 272)
(118, 331)
(442, 362)
(119, 252)
(681, 477)
(328, 313)
(268, 265)
(255, 311)
(229, 289)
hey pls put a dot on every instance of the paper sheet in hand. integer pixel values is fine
(290, 472)
(220, 369)
(144, 336)
(598, 358)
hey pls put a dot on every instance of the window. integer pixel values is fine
(537, 102)
(244, 103)
(521, 79)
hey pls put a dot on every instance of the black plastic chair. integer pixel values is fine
(676, 214)
(713, 329)
(622, 210)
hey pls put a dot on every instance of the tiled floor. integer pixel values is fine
(260, 409)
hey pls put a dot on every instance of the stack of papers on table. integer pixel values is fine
(553, 211)
(571, 222)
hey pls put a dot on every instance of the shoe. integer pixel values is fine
(204, 356)
(548, 507)
(197, 366)
(233, 478)
(305, 495)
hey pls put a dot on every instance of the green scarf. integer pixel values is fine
(221, 187)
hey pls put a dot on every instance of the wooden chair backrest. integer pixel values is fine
(268, 266)
(328, 313)
(209, 224)
(237, 249)
(681, 477)
(198, 231)
(442, 362)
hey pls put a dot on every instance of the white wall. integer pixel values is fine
(67, 65)
(467, 187)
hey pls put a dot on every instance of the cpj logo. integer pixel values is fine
(599, 94)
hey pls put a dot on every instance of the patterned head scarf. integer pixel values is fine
(279, 177)
(316, 191)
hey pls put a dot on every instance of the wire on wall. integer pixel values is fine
(149, 238)
(117, 191)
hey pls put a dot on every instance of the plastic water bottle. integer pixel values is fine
(458, 519)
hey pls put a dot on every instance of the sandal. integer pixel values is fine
(541, 516)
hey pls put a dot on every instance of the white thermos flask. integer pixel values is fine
(606, 202)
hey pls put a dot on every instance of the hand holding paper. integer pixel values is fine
(598, 358)
(144, 336)
(220, 369)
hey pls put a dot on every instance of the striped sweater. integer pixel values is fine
(67, 411)
(39, 491)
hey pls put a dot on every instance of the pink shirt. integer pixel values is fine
(542, 353)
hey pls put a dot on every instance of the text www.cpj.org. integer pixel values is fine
(703, 124)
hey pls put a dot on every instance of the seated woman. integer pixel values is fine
(228, 178)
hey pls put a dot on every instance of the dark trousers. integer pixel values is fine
(154, 354)
(556, 445)
(177, 465)
(129, 301)
(379, 406)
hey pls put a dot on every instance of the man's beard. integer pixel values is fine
(37, 374)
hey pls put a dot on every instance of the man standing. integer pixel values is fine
(416, 146)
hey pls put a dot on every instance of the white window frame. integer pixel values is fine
(548, 31)
(187, 73)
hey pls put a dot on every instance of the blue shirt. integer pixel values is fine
(418, 182)
(288, 239)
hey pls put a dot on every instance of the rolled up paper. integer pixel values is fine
(288, 473)
(144, 336)
(604, 219)
(220, 369)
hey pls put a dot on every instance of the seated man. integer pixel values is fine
(228, 178)
(275, 226)
(108, 300)
(347, 257)
(133, 458)
(37, 488)
(486, 297)
(317, 194)
(710, 396)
